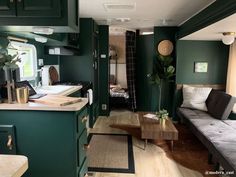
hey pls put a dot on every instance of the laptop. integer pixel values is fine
(32, 93)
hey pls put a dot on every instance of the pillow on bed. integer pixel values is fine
(195, 97)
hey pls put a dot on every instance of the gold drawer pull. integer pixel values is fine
(84, 119)
(86, 147)
(9, 142)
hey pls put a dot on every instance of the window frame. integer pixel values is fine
(34, 61)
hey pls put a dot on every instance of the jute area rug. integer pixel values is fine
(110, 153)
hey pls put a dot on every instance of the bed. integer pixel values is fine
(119, 97)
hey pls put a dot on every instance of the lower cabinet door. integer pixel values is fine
(7, 139)
(82, 147)
(84, 169)
(82, 119)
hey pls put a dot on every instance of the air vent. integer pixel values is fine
(120, 7)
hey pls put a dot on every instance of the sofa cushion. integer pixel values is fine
(195, 97)
(231, 123)
(226, 152)
(193, 114)
(219, 104)
(215, 130)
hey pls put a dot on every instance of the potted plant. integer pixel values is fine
(163, 71)
(8, 63)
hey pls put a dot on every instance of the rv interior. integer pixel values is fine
(117, 88)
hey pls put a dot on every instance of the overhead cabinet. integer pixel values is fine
(7, 8)
(23, 15)
(39, 8)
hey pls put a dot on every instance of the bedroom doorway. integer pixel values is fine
(118, 79)
(119, 55)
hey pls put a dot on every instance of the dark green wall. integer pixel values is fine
(147, 94)
(80, 68)
(73, 68)
(162, 33)
(215, 53)
(145, 48)
(103, 66)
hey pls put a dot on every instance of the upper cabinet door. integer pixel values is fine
(39, 8)
(7, 8)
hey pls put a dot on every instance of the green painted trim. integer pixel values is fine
(103, 65)
(213, 13)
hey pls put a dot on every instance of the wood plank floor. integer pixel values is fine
(153, 162)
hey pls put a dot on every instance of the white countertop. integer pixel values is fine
(13, 165)
(64, 90)
(44, 107)
(54, 90)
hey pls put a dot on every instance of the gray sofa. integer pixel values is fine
(213, 129)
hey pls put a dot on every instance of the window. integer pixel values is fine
(28, 64)
(231, 81)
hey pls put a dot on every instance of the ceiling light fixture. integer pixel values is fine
(228, 38)
(147, 32)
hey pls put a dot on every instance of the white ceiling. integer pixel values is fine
(144, 14)
(214, 31)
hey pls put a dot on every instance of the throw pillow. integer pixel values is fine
(195, 97)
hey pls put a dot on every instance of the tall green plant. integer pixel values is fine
(163, 70)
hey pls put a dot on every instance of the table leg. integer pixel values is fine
(145, 143)
(172, 145)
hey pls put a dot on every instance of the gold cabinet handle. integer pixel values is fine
(9, 142)
(84, 119)
(86, 147)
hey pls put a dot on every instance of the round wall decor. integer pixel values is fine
(165, 47)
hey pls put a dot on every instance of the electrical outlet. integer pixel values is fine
(103, 56)
(104, 107)
(41, 62)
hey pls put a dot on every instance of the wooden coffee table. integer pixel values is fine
(157, 130)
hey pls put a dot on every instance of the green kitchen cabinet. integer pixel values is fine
(7, 139)
(82, 147)
(7, 8)
(85, 67)
(53, 141)
(24, 15)
(39, 8)
(76, 94)
(83, 169)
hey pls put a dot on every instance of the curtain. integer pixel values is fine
(231, 79)
(130, 67)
